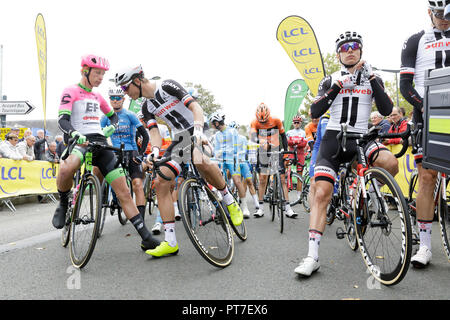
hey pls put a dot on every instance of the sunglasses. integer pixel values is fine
(438, 14)
(295, 122)
(346, 46)
(115, 98)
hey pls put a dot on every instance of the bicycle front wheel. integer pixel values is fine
(444, 219)
(206, 223)
(85, 222)
(383, 227)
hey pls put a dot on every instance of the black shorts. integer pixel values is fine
(179, 151)
(326, 167)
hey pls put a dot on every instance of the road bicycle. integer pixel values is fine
(204, 216)
(83, 216)
(440, 198)
(304, 178)
(277, 201)
(380, 213)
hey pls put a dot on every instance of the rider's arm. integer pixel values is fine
(65, 111)
(326, 94)
(382, 100)
(145, 139)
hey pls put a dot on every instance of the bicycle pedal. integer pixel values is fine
(340, 233)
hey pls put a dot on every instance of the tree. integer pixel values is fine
(391, 89)
(205, 98)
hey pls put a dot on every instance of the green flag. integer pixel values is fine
(295, 94)
(136, 105)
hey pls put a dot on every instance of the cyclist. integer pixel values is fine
(267, 131)
(422, 51)
(244, 165)
(126, 133)
(169, 100)
(297, 142)
(351, 103)
(79, 116)
(226, 150)
(311, 131)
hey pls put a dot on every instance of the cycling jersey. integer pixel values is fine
(171, 104)
(252, 150)
(321, 128)
(126, 130)
(225, 144)
(310, 131)
(85, 108)
(268, 131)
(297, 142)
(242, 148)
(350, 106)
(425, 50)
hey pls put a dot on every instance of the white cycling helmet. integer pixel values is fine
(125, 76)
(217, 116)
(438, 4)
(349, 36)
(116, 91)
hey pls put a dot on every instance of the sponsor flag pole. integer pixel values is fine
(298, 39)
(41, 42)
(295, 94)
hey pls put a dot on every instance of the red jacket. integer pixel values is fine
(397, 128)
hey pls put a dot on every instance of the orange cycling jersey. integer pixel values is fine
(268, 131)
(310, 131)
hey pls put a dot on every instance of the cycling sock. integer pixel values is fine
(243, 204)
(64, 197)
(169, 233)
(425, 232)
(314, 242)
(142, 211)
(139, 224)
(227, 197)
(256, 200)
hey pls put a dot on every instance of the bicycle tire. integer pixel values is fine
(150, 195)
(391, 221)
(105, 192)
(305, 194)
(272, 199)
(220, 252)
(65, 232)
(120, 214)
(298, 197)
(90, 188)
(331, 210)
(444, 220)
(280, 203)
(412, 207)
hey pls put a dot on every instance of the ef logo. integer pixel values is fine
(74, 280)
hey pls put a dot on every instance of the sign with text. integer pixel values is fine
(15, 107)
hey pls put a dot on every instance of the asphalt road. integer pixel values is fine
(34, 265)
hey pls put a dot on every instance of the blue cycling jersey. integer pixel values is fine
(321, 128)
(126, 131)
(225, 145)
(242, 148)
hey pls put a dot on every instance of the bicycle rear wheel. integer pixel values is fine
(85, 222)
(150, 194)
(383, 228)
(444, 219)
(297, 198)
(206, 223)
(106, 203)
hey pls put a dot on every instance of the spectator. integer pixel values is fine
(9, 149)
(50, 154)
(26, 147)
(399, 124)
(39, 146)
(27, 133)
(378, 120)
(60, 147)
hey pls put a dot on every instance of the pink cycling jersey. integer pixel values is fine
(84, 108)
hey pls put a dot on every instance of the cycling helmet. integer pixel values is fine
(262, 112)
(115, 91)
(233, 124)
(193, 92)
(297, 118)
(217, 116)
(93, 61)
(125, 76)
(349, 36)
(438, 4)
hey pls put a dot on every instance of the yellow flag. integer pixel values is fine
(299, 41)
(41, 42)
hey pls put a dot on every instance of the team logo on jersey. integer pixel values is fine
(167, 107)
(66, 99)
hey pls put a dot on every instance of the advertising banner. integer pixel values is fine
(298, 39)
(295, 94)
(20, 177)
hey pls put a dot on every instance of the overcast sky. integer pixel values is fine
(229, 47)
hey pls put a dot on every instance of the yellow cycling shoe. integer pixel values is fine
(162, 250)
(236, 214)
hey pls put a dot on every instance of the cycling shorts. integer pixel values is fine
(234, 170)
(327, 167)
(245, 171)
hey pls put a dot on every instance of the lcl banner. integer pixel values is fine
(41, 43)
(299, 41)
(20, 177)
